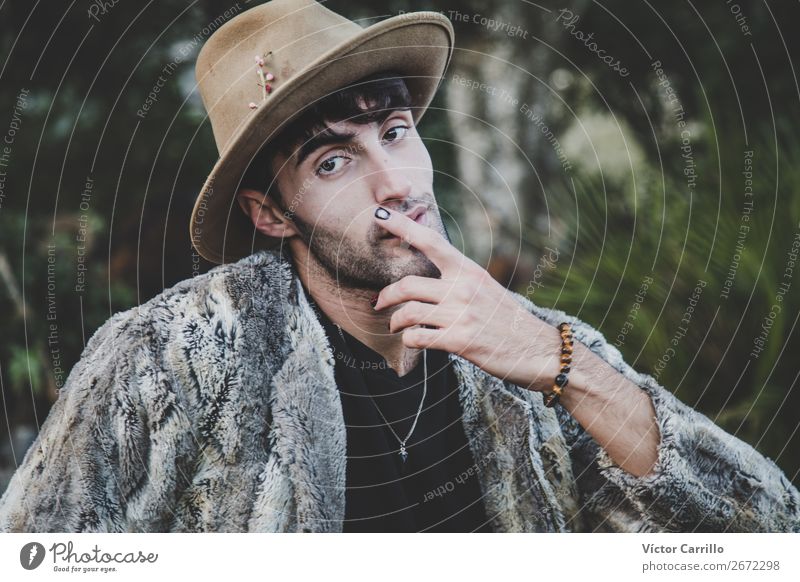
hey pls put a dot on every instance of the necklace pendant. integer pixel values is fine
(403, 453)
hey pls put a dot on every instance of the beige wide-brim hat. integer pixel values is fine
(311, 51)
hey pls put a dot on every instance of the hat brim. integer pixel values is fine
(417, 45)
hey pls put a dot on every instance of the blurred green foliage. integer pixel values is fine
(739, 94)
(674, 247)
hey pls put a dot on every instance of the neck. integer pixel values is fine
(350, 309)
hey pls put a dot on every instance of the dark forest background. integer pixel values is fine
(95, 199)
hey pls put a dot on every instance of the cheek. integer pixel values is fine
(344, 219)
(420, 158)
(357, 223)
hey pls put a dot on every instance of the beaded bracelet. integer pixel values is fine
(552, 397)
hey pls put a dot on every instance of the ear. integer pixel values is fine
(265, 214)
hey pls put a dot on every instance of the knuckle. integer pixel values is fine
(412, 310)
(473, 286)
(410, 337)
(470, 318)
(464, 294)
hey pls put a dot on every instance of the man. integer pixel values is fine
(354, 371)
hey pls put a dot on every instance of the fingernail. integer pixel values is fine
(381, 213)
(374, 300)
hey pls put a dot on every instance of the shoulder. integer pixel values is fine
(223, 298)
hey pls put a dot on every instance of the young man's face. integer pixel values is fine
(330, 188)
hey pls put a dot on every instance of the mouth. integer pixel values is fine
(418, 215)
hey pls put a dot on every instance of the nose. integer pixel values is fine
(390, 180)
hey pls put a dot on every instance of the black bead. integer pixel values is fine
(566, 350)
(565, 369)
(561, 380)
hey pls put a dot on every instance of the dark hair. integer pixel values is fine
(381, 94)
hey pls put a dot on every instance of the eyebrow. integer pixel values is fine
(325, 137)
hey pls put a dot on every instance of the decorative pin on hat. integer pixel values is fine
(266, 88)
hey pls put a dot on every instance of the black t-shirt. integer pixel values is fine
(436, 488)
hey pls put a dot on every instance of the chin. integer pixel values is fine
(412, 262)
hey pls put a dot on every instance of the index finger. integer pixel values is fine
(429, 242)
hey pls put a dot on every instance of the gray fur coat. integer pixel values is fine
(213, 407)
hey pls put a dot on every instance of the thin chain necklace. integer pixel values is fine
(403, 452)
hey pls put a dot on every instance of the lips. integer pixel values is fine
(418, 215)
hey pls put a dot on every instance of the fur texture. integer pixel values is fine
(213, 407)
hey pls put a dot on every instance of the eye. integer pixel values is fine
(330, 165)
(395, 133)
